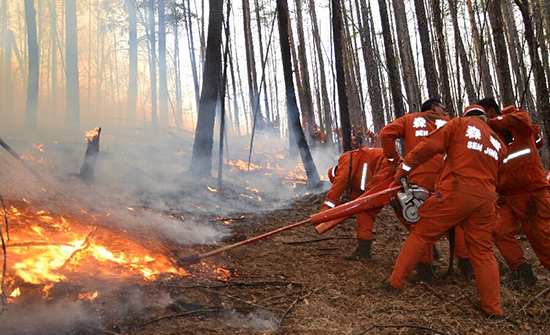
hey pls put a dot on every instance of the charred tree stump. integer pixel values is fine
(87, 171)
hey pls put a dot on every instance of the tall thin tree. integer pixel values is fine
(72, 113)
(201, 161)
(163, 79)
(31, 108)
(503, 66)
(292, 107)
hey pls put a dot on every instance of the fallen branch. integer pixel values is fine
(295, 302)
(403, 326)
(546, 290)
(319, 240)
(236, 298)
(16, 156)
(230, 283)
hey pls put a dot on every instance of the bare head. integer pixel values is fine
(491, 107)
(434, 105)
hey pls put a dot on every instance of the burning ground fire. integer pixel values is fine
(47, 248)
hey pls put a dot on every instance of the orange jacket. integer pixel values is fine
(523, 170)
(413, 128)
(474, 155)
(368, 168)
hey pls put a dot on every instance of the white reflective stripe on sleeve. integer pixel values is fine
(334, 172)
(406, 167)
(538, 139)
(330, 204)
(364, 177)
(517, 154)
(499, 117)
(391, 159)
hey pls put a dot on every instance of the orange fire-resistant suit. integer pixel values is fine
(524, 191)
(414, 128)
(360, 169)
(465, 195)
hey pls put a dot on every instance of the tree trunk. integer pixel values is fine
(540, 35)
(502, 65)
(72, 113)
(133, 55)
(201, 161)
(543, 104)
(250, 63)
(177, 70)
(407, 58)
(32, 83)
(393, 71)
(163, 80)
(323, 80)
(373, 79)
(292, 106)
(444, 74)
(546, 11)
(260, 40)
(461, 50)
(153, 63)
(483, 64)
(235, 98)
(190, 41)
(304, 71)
(427, 56)
(337, 31)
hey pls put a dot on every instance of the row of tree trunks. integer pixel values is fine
(503, 70)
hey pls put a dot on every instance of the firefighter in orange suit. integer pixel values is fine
(465, 195)
(358, 170)
(414, 128)
(524, 191)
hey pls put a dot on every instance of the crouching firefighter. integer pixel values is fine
(465, 195)
(524, 191)
(356, 172)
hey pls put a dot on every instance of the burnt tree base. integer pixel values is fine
(87, 171)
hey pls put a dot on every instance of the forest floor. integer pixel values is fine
(297, 283)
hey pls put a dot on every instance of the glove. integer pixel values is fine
(508, 110)
(402, 172)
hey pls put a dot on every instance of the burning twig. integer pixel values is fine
(16, 156)
(87, 172)
(295, 302)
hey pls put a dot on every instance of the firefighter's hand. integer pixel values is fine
(401, 173)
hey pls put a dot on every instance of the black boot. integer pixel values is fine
(362, 251)
(523, 275)
(437, 254)
(526, 275)
(465, 266)
(424, 273)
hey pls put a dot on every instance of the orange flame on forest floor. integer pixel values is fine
(47, 248)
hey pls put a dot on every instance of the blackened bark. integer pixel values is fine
(87, 171)
(72, 114)
(250, 62)
(292, 106)
(425, 41)
(260, 40)
(191, 42)
(201, 161)
(393, 71)
(502, 65)
(32, 84)
(304, 71)
(337, 30)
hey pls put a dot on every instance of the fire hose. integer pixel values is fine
(371, 199)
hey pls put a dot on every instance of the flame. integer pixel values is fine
(15, 293)
(211, 189)
(91, 134)
(88, 296)
(39, 147)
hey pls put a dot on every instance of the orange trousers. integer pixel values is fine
(364, 222)
(428, 181)
(478, 217)
(532, 211)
